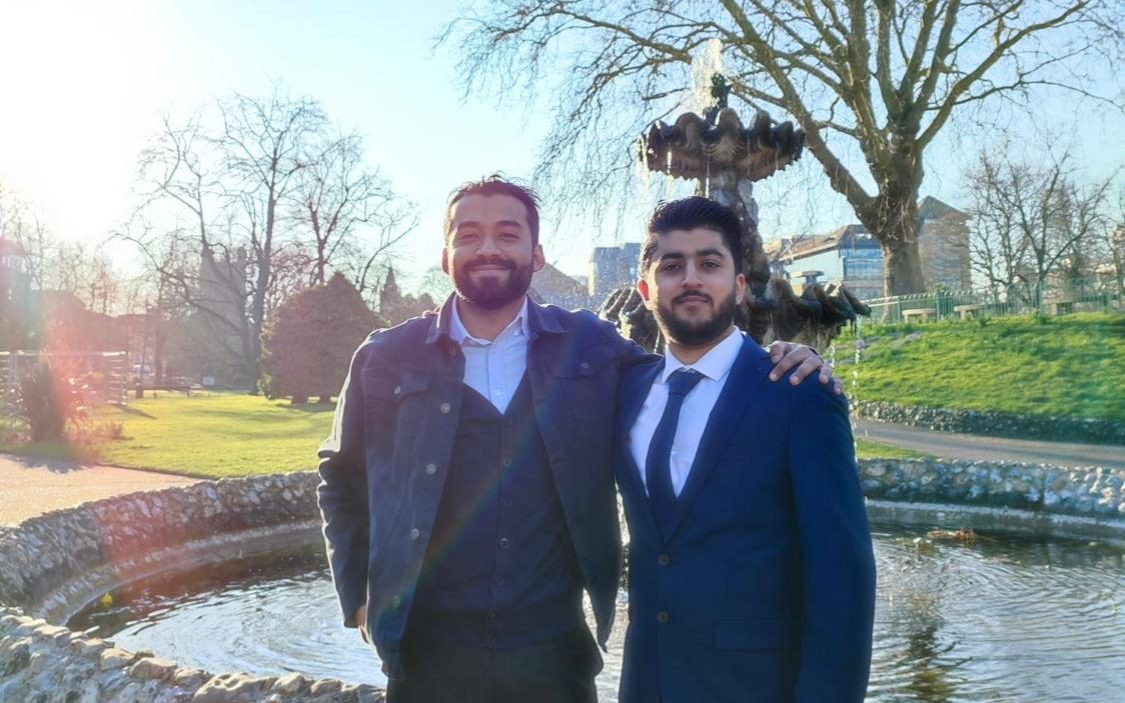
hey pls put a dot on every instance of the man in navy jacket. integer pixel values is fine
(467, 487)
(751, 573)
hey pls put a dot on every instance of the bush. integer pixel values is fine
(308, 343)
(48, 400)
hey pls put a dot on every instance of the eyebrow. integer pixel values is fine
(710, 251)
(504, 223)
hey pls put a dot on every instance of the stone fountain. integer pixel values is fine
(725, 158)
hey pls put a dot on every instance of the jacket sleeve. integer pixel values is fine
(342, 493)
(838, 562)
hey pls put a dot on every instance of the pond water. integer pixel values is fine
(1001, 620)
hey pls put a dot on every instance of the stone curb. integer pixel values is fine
(995, 424)
(53, 564)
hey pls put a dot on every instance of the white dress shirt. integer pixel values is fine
(494, 368)
(715, 366)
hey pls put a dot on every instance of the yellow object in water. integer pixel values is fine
(107, 600)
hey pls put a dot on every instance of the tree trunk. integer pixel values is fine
(902, 267)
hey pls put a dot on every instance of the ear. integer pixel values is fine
(445, 260)
(739, 288)
(642, 288)
(537, 258)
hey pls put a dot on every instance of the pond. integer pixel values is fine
(1003, 619)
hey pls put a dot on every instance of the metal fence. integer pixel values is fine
(104, 375)
(1076, 296)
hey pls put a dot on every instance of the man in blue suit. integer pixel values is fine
(751, 572)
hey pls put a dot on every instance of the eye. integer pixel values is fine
(510, 236)
(465, 237)
(671, 266)
(711, 265)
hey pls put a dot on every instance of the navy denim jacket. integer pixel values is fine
(384, 466)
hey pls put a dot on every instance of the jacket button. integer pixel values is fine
(507, 463)
(431, 469)
(445, 408)
(398, 390)
(415, 534)
(663, 617)
(504, 542)
(396, 601)
(664, 560)
(585, 365)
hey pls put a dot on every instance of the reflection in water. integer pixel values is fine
(1006, 620)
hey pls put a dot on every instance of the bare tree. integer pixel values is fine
(337, 198)
(1031, 223)
(873, 84)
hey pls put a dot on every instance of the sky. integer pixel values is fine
(85, 84)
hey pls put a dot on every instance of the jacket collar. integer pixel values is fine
(539, 319)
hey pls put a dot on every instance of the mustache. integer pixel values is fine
(684, 297)
(491, 261)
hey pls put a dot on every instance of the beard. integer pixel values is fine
(693, 334)
(493, 291)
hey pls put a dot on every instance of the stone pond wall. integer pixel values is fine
(996, 424)
(52, 565)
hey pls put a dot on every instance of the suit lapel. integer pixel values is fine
(749, 371)
(631, 397)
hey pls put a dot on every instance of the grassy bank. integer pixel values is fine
(221, 435)
(1071, 365)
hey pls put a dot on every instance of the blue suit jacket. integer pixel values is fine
(764, 588)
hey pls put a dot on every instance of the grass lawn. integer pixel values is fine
(1071, 365)
(228, 434)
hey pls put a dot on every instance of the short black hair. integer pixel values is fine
(496, 184)
(689, 213)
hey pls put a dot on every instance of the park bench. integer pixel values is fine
(967, 311)
(1060, 306)
(924, 314)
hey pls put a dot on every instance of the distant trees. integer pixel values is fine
(309, 340)
(395, 306)
(250, 202)
(1031, 224)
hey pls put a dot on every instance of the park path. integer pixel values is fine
(952, 445)
(30, 486)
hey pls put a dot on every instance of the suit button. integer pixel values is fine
(396, 601)
(664, 560)
(499, 580)
(431, 469)
(415, 534)
(445, 408)
(663, 617)
(504, 542)
(585, 365)
(492, 616)
(507, 463)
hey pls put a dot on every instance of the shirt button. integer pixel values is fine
(507, 502)
(415, 534)
(445, 408)
(504, 542)
(431, 469)
(496, 391)
(398, 390)
(663, 616)
(664, 560)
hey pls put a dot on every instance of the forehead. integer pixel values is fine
(690, 242)
(487, 209)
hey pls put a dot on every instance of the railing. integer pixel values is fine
(1079, 295)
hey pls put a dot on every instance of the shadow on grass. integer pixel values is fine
(130, 410)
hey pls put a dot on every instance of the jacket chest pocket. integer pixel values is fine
(396, 408)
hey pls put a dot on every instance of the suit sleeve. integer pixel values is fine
(342, 494)
(838, 562)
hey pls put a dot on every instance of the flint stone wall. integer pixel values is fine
(996, 424)
(51, 566)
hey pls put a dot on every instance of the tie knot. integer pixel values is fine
(682, 381)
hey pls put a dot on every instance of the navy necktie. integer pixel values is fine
(658, 463)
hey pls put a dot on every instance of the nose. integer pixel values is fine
(487, 245)
(691, 276)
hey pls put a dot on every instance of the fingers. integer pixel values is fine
(807, 368)
(788, 356)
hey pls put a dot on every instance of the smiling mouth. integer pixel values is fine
(692, 299)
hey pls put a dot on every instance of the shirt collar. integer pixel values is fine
(715, 364)
(460, 335)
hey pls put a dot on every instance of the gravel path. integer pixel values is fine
(31, 486)
(950, 445)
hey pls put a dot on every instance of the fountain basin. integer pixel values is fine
(52, 566)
